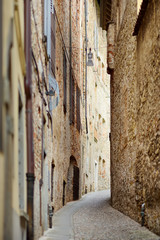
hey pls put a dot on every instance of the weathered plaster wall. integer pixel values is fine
(14, 129)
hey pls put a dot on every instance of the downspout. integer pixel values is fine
(29, 122)
(86, 41)
(110, 70)
(1, 81)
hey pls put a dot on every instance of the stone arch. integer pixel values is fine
(73, 180)
(73, 161)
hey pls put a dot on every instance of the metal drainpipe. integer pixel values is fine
(1, 81)
(29, 122)
(111, 84)
(142, 214)
(86, 40)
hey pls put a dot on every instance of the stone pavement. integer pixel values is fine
(92, 218)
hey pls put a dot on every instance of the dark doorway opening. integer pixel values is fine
(75, 183)
(72, 180)
(64, 192)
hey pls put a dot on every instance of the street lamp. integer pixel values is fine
(90, 56)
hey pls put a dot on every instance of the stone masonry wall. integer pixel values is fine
(135, 115)
(60, 139)
(96, 145)
(41, 123)
(148, 116)
(123, 112)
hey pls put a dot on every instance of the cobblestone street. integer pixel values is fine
(92, 218)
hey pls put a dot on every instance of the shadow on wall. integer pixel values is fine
(72, 181)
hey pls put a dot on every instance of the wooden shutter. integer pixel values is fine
(64, 83)
(48, 26)
(53, 40)
(45, 19)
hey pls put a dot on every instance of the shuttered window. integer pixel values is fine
(49, 31)
(52, 180)
(78, 108)
(21, 174)
(72, 103)
(64, 83)
(95, 30)
(53, 41)
(97, 43)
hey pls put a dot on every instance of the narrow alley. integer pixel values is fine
(79, 119)
(93, 218)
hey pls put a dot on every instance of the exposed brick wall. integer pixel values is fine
(65, 140)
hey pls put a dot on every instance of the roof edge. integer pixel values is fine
(141, 14)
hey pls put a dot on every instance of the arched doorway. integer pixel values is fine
(73, 180)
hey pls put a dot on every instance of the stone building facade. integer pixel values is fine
(13, 153)
(59, 102)
(135, 110)
(95, 144)
(47, 95)
(56, 119)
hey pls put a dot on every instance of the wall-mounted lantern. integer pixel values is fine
(90, 57)
(50, 93)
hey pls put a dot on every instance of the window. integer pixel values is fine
(72, 101)
(96, 38)
(78, 108)
(53, 41)
(52, 180)
(21, 153)
(64, 83)
(50, 32)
